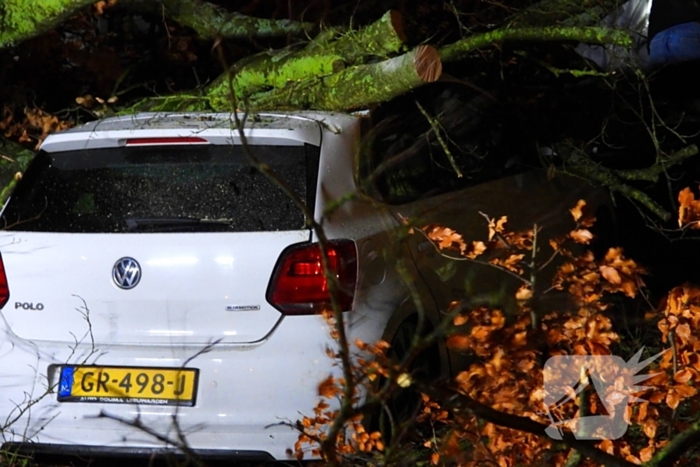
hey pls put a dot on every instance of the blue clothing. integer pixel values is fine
(677, 44)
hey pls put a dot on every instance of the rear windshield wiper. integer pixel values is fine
(134, 223)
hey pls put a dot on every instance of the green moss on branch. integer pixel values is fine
(20, 19)
(211, 21)
(328, 53)
(591, 35)
(357, 86)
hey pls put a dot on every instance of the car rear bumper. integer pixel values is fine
(71, 450)
(248, 399)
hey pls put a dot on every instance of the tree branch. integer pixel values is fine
(211, 21)
(20, 21)
(678, 446)
(586, 448)
(564, 12)
(576, 162)
(14, 159)
(328, 53)
(356, 86)
(591, 35)
(652, 173)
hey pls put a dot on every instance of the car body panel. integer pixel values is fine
(193, 288)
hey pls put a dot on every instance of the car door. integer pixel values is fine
(529, 200)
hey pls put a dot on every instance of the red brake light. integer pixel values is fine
(4, 287)
(299, 285)
(174, 140)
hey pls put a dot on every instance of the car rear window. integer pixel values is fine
(163, 189)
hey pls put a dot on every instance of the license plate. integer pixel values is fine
(128, 385)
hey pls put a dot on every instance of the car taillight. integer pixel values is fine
(4, 288)
(299, 285)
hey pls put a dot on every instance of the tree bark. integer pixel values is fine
(564, 13)
(330, 52)
(20, 20)
(211, 21)
(591, 35)
(357, 86)
(23, 19)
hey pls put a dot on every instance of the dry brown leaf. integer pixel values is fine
(577, 211)
(497, 226)
(611, 275)
(582, 236)
(523, 294)
(647, 453)
(688, 209)
(328, 387)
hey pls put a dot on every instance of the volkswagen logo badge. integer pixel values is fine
(126, 273)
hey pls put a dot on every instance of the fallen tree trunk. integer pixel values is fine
(357, 86)
(330, 52)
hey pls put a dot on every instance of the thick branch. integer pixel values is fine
(357, 86)
(577, 163)
(651, 174)
(328, 53)
(565, 12)
(383, 37)
(679, 445)
(211, 21)
(586, 448)
(20, 20)
(591, 35)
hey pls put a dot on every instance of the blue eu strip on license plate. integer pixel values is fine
(66, 382)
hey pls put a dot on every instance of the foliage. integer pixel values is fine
(485, 414)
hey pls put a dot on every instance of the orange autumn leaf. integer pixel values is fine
(582, 236)
(683, 376)
(328, 387)
(647, 453)
(497, 226)
(688, 209)
(683, 332)
(477, 249)
(577, 211)
(523, 294)
(458, 342)
(610, 274)
(672, 400)
(460, 320)
(677, 393)
(445, 238)
(649, 427)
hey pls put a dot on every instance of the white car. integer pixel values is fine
(148, 270)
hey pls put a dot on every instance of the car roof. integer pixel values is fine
(110, 132)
